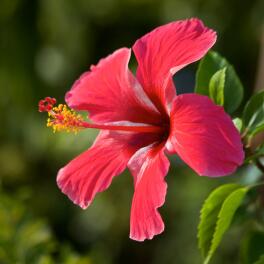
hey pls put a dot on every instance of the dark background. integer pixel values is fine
(44, 46)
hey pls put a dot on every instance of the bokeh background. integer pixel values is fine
(44, 46)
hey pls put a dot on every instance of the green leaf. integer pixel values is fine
(253, 115)
(209, 213)
(208, 66)
(216, 87)
(216, 215)
(225, 217)
(260, 261)
(238, 123)
(233, 89)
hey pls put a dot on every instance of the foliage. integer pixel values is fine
(216, 216)
(253, 115)
(238, 123)
(25, 239)
(252, 247)
(217, 78)
(260, 261)
(217, 86)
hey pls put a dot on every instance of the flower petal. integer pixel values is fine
(93, 170)
(111, 93)
(149, 166)
(204, 136)
(166, 50)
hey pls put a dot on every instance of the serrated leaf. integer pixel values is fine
(253, 115)
(225, 217)
(260, 261)
(238, 123)
(217, 86)
(209, 214)
(233, 91)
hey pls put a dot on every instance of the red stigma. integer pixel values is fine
(46, 104)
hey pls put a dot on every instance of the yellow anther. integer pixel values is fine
(61, 118)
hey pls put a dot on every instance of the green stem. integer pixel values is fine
(252, 157)
(256, 185)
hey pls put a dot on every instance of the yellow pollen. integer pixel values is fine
(61, 118)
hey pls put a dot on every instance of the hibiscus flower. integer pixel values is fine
(142, 120)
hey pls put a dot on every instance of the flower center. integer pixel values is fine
(61, 118)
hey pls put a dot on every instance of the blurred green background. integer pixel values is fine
(44, 46)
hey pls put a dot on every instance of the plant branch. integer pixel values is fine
(259, 165)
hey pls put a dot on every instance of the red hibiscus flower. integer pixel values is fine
(142, 119)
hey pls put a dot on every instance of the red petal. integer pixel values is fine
(149, 166)
(204, 136)
(167, 49)
(111, 93)
(93, 170)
